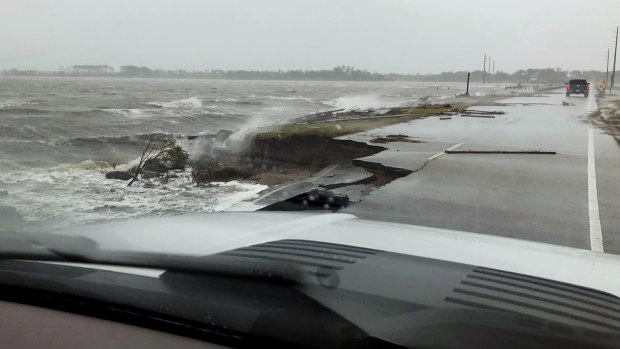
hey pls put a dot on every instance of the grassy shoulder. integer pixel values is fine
(339, 128)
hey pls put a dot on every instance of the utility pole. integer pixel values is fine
(484, 69)
(490, 76)
(607, 72)
(613, 73)
(467, 91)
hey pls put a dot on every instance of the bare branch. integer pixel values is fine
(166, 152)
(146, 153)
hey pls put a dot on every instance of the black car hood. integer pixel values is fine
(305, 293)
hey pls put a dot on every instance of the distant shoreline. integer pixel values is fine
(52, 75)
(248, 79)
(339, 74)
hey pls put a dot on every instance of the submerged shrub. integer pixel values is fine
(174, 156)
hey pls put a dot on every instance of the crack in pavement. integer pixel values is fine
(369, 164)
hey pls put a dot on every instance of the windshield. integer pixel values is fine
(152, 111)
(157, 111)
(134, 126)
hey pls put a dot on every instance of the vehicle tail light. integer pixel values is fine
(568, 87)
(587, 87)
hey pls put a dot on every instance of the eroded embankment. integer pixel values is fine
(301, 152)
(296, 152)
(384, 174)
(308, 151)
(309, 145)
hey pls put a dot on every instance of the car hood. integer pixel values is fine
(207, 234)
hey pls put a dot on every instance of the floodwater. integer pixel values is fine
(59, 136)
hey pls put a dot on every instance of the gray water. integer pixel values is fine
(58, 136)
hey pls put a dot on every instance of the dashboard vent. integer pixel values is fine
(499, 290)
(306, 253)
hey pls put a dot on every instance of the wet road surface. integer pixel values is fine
(571, 198)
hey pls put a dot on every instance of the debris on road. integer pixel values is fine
(394, 138)
(500, 152)
(480, 113)
(445, 118)
(317, 199)
(478, 116)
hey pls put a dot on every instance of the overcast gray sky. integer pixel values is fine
(385, 36)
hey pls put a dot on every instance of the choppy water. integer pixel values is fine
(58, 136)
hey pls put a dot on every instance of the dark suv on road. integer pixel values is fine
(577, 86)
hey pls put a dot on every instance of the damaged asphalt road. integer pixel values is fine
(525, 174)
(522, 174)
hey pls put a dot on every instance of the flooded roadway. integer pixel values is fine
(569, 198)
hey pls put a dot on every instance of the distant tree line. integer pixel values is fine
(340, 73)
(541, 75)
(88, 69)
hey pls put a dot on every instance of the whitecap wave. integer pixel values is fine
(225, 100)
(287, 98)
(192, 102)
(11, 103)
(129, 113)
(237, 101)
(80, 194)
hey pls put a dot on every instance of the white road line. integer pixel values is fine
(455, 146)
(443, 152)
(436, 155)
(596, 234)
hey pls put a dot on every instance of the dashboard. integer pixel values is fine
(27, 326)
